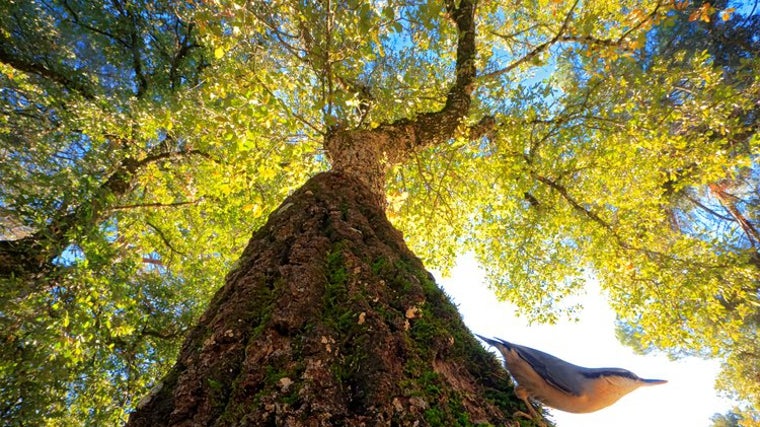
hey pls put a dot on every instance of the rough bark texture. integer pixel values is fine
(330, 320)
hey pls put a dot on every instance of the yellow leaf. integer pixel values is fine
(267, 173)
(373, 35)
(218, 52)
(726, 14)
(703, 13)
(681, 5)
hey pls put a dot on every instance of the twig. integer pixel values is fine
(164, 238)
(535, 52)
(287, 109)
(154, 205)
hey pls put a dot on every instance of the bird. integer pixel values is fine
(561, 385)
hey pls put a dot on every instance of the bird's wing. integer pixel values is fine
(557, 372)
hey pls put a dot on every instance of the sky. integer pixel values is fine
(688, 399)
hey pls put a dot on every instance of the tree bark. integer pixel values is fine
(330, 320)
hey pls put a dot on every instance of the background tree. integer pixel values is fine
(143, 142)
(729, 419)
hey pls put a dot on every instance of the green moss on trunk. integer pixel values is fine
(330, 320)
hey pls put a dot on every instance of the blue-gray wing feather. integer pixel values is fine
(555, 371)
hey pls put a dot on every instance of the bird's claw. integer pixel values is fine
(535, 417)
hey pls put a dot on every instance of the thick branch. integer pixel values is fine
(458, 99)
(367, 154)
(186, 45)
(728, 201)
(33, 254)
(23, 64)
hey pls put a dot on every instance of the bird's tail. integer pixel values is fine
(490, 341)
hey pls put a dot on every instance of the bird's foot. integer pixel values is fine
(535, 417)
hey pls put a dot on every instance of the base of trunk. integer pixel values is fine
(330, 320)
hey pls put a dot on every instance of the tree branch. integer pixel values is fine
(23, 64)
(33, 254)
(610, 42)
(135, 43)
(164, 239)
(185, 46)
(289, 111)
(712, 212)
(651, 254)
(154, 205)
(76, 20)
(368, 154)
(576, 205)
(485, 127)
(728, 201)
(533, 53)
(432, 128)
(562, 37)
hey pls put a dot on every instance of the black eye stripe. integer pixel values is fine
(598, 373)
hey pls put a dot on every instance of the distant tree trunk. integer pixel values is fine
(330, 320)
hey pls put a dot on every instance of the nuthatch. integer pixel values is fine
(562, 385)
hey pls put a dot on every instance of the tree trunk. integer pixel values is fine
(330, 320)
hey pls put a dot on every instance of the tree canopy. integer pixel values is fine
(142, 142)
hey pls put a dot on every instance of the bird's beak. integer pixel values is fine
(653, 382)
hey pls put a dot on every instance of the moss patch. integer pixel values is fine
(330, 320)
